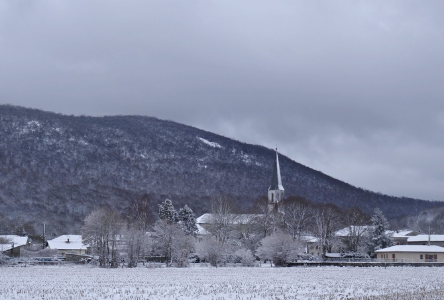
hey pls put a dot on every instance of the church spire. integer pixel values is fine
(276, 189)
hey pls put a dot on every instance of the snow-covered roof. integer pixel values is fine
(234, 218)
(425, 238)
(399, 233)
(309, 239)
(67, 242)
(413, 248)
(333, 255)
(13, 241)
(354, 229)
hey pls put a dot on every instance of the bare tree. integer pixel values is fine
(268, 221)
(280, 248)
(211, 250)
(141, 213)
(327, 221)
(100, 232)
(297, 212)
(357, 229)
(223, 219)
(171, 241)
(136, 241)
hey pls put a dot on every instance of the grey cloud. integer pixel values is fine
(351, 88)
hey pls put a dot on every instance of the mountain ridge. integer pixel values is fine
(57, 168)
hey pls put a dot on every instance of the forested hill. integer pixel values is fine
(56, 168)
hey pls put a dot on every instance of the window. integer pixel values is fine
(420, 256)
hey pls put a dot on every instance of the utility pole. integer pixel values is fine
(429, 237)
(44, 236)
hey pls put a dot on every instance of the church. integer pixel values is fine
(276, 194)
(276, 190)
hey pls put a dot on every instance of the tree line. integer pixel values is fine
(277, 235)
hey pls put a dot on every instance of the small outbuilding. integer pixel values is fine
(411, 253)
(11, 245)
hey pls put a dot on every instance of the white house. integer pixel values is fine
(411, 253)
(68, 244)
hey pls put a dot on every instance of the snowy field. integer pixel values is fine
(84, 282)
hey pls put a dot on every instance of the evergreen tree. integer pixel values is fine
(379, 238)
(167, 212)
(188, 221)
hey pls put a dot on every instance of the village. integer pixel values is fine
(224, 238)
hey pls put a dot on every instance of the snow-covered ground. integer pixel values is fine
(84, 282)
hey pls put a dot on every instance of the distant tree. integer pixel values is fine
(358, 230)
(245, 257)
(100, 232)
(141, 213)
(211, 250)
(167, 212)
(327, 220)
(297, 212)
(280, 248)
(268, 221)
(380, 239)
(188, 220)
(171, 242)
(136, 243)
(223, 219)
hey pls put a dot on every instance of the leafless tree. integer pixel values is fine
(268, 221)
(211, 250)
(297, 212)
(101, 232)
(223, 219)
(327, 221)
(280, 248)
(171, 241)
(357, 229)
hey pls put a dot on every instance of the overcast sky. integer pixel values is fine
(351, 88)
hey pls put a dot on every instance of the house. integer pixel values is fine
(411, 253)
(11, 245)
(423, 239)
(71, 244)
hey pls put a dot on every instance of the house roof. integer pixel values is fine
(234, 219)
(425, 238)
(400, 233)
(67, 242)
(413, 248)
(14, 241)
(309, 239)
(276, 181)
(353, 229)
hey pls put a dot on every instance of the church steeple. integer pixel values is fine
(276, 190)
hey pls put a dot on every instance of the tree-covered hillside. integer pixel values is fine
(55, 169)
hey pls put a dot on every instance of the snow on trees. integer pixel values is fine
(188, 220)
(380, 239)
(100, 231)
(280, 248)
(173, 233)
(167, 212)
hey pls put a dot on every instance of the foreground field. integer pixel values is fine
(83, 282)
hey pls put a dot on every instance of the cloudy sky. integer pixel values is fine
(351, 88)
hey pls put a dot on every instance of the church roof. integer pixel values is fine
(276, 181)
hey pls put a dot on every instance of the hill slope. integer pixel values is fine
(56, 168)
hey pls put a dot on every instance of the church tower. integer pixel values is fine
(276, 190)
